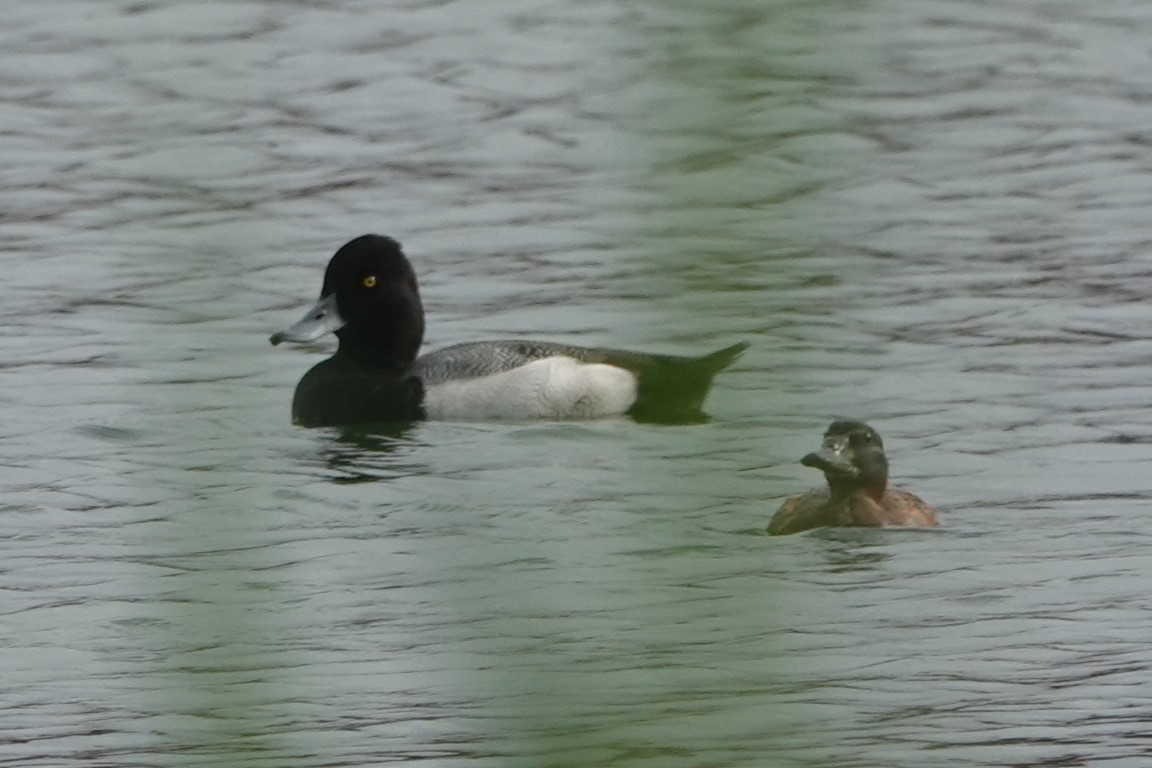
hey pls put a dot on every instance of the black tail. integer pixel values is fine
(672, 389)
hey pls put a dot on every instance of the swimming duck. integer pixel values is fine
(371, 301)
(853, 462)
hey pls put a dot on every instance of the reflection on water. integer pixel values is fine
(366, 454)
(929, 215)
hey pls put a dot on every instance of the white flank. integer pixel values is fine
(553, 388)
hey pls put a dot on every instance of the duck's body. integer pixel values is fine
(370, 300)
(819, 509)
(856, 468)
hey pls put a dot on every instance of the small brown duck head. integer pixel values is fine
(852, 459)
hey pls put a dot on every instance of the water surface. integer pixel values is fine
(931, 215)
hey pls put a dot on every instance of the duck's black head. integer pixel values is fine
(851, 457)
(370, 300)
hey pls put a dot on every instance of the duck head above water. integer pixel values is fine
(851, 457)
(371, 301)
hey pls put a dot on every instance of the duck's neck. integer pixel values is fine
(395, 352)
(871, 488)
(858, 504)
(366, 360)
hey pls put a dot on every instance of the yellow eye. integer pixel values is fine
(369, 282)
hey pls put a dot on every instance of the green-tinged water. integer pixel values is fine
(929, 215)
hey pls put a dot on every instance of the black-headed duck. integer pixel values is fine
(854, 464)
(371, 301)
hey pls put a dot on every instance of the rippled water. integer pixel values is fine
(931, 215)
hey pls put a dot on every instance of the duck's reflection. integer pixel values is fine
(367, 453)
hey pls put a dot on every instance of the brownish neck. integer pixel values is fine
(873, 490)
(876, 490)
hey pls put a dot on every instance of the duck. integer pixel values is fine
(370, 300)
(855, 467)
